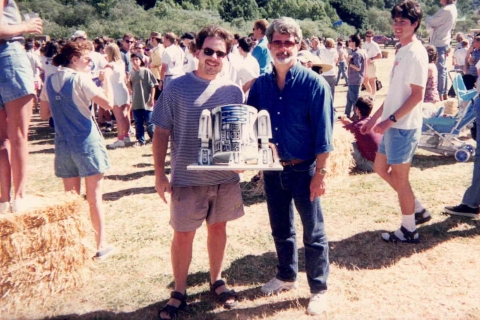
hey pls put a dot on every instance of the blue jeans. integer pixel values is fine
(352, 96)
(142, 117)
(283, 189)
(342, 70)
(442, 70)
(472, 195)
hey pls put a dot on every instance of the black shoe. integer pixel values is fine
(422, 216)
(463, 210)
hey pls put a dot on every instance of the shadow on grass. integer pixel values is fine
(431, 161)
(113, 196)
(367, 251)
(46, 151)
(130, 176)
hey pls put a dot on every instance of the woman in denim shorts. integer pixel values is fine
(16, 103)
(79, 147)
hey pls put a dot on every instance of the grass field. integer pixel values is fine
(369, 279)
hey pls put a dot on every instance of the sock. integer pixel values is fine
(418, 206)
(408, 221)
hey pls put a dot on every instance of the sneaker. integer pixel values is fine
(4, 207)
(275, 286)
(116, 144)
(104, 253)
(463, 210)
(317, 304)
(138, 144)
(127, 140)
(422, 216)
(19, 205)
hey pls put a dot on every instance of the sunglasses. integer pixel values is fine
(277, 44)
(138, 48)
(210, 52)
(129, 41)
(368, 36)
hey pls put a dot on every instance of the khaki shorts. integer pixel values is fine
(372, 70)
(190, 206)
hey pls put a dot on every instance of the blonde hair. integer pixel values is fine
(329, 43)
(113, 52)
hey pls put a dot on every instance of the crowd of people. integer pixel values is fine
(165, 82)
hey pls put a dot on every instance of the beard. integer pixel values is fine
(283, 58)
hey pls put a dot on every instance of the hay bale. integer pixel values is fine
(42, 252)
(385, 54)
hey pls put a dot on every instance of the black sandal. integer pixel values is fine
(410, 236)
(224, 296)
(172, 311)
(419, 218)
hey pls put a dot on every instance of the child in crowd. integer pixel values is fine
(431, 90)
(79, 146)
(142, 82)
(460, 55)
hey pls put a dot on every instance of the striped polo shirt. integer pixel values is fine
(178, 109)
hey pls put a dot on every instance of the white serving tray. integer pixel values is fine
(224, 167)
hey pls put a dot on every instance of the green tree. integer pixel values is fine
(232, 9)
(353, 12)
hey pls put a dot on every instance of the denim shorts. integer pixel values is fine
(89, 160)
(16, 75)
(399, 145)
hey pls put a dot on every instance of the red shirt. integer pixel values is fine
(367, 143)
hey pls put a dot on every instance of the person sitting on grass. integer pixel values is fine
(365, 145)
(142, 82)
(79, 146)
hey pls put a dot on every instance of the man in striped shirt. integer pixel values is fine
(213, 196)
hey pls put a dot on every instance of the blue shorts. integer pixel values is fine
(16, 75)
(89, 160)
(399, 145)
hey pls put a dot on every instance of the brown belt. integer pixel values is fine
(291, 163)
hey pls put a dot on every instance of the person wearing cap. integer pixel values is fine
(189, 62)
(97, 60)
(142, 84)
(303, 138)
(139, 47)
(172, 60)
(260, 52)
(156, 58)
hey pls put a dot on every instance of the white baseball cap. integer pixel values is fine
(79, 34)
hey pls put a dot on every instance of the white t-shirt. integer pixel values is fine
(231, 67)
(47, 66)
(372, 48)
(460, 56)
(35, 63)
(190, 63)
(97, 63)
(249, 70)
(410, 67)
(173, 56)
(329, 56)
(84, 89)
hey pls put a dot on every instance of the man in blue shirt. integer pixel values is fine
(260, 52)
(300, 105)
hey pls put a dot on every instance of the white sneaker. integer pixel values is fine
(117, 144)
(275, 286)
(4, 207)
(127, 140)
(317, 304)
(19, 205)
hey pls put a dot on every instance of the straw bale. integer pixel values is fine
(451, 106)
(42, 251)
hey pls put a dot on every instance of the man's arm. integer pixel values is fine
(162, 75)
(438, 19)
(413, 100)
(317, 185)
(160, 145)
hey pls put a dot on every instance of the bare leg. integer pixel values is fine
(402, 185)
(373, 85)
(216, 243)
(5, 169)
(366, 83)
(72, 184)
(119, 116)
(181, 253)
(19, 113)
(93, 186)
(383, 169)
(127, 111)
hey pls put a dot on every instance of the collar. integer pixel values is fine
(291, 73)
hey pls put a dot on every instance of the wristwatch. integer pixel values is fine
(392, 118)
(321, 171)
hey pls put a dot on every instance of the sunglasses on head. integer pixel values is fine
(209, 52)
(277, 44)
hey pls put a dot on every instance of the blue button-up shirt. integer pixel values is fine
(301, 114)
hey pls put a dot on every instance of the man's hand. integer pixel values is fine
(162, 185)
(382, 126)
(366, 127)
(317, 186)
(150, 103)
(34, 25)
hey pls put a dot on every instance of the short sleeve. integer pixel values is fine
(85, 84)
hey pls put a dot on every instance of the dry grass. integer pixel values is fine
(369, 279)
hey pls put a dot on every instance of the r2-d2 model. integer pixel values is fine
(235, 135)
